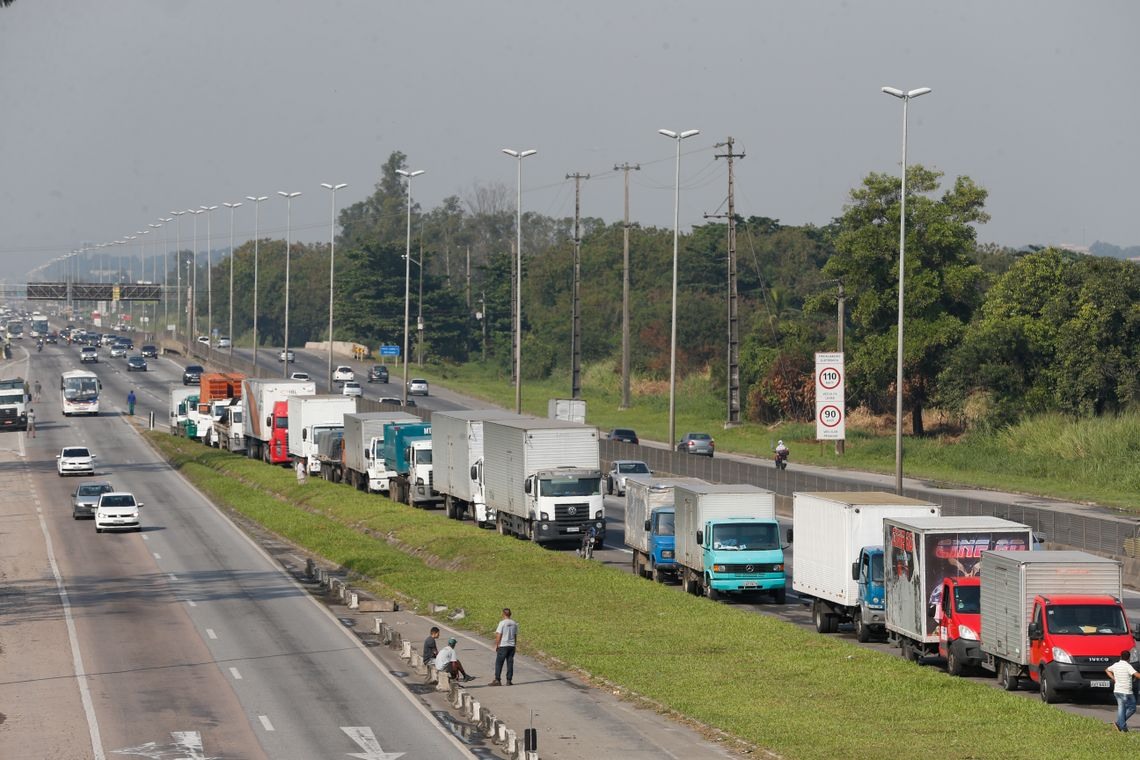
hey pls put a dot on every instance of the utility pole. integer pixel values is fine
(576, 312)
(514, 318)
(732, 417)
(625, 168)
(841, 303)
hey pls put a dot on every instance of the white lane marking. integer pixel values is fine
(172, 576)
(76, 657)
(265, 723)
(191, 742)
(234, 672)
(366, 740)
(211, 634)
(191, 602)
(146, 537)
(157, 555)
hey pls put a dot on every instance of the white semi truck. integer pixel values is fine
(544, 479)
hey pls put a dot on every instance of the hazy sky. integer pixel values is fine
(117, 112)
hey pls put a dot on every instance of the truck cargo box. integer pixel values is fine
(643, 494)
(514, 449)
(697, 504)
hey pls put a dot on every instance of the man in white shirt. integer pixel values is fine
(1122, 674)
(447, 662)
(506, 638)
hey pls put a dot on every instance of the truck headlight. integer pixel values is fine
(966, 632)
(1060, 655)
(543, 516)
(718, 568)
(666, 554)
(419, 481)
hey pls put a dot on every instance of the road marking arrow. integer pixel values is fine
(367, 741)
(187, 746)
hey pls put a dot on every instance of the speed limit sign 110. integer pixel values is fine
(830, 404)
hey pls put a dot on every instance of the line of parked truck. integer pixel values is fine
(968, 590)
(964, 589)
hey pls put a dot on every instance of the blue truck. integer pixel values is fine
(728, 540)
(649, 524)
(407, 460)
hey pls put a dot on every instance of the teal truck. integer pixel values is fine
(728, 540)
(407, 458)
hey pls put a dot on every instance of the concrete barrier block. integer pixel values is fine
(511, 742)
(443, 683)
(476, 710)
(310, 568)
(377, 605)
(501, 732)
(406, 650)
(530, 755)
(432, 675)
(434, 608)
(353, 600)
(377, 624)
(459, 614)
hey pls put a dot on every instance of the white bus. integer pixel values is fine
(79, 392)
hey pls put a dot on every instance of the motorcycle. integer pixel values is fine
(781, 459)
(39, 346)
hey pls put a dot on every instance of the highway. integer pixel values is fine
(187, 640)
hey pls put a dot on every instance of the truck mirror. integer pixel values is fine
(1135, 629)
(269, 422)
(700, 537)
(1035, 631)
(304, 435)
(789, 535)
(854, 571)
(474, 472)
(526, 486)
(647, 526)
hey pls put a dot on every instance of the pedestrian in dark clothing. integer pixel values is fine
(131, 403)
(506, 638)
(431, 649)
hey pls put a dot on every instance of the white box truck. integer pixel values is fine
(544, 479)
(364, 466)
(650, 521)
(457, 460)
(1055, 617)
(265, 416)
(839, 555)
(922, 553)
(728, 540)
(309, 415)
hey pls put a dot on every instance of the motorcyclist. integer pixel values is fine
(39, 344)
(781, 453)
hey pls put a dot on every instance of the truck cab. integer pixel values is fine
(743, 554)
(482, 513)
(1072, 639)
(229, 430)
(565, 502)
(14, 400)
(310, 435)
(661, 530)
(868, 571)
(960, 623)
(277, 452)
(407, 458)
(421, 481)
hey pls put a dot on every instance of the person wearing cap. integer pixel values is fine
(447, 662)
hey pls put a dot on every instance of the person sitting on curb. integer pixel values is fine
(447, 662)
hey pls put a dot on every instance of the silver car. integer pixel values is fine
(697, 443)
(86, 497)
(417, 387)
(621, 468)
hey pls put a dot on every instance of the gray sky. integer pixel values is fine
(117, 112)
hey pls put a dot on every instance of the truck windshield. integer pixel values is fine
(571, 486)
(1086, 619)
(746, 537)
(665, 523)
(968, 599)
(11, 397)
(876, 568)
(423, 456)
(282, 422)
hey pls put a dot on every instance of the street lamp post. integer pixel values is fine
(142, 274)
(676, 137)
(332, 259)
(407, 274)
(905, 97)
(178, 273)
(209, 281)
(232, 207)
(165, 272)
(194, 282)
(518, 156)
(256, 200)
(288, 244)
(154, 276)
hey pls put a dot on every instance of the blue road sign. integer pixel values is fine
(389, 350)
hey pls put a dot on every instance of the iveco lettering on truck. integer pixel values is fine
(544, 479)
(839, 555)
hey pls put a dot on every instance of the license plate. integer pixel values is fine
(572, 530)
(1099, 684)
(750, 584)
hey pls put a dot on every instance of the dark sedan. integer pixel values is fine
(150, 352)
(624, 434)
(136, 363)
(192, 375)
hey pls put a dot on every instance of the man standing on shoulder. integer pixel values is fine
(506, 638)
(1122, 674)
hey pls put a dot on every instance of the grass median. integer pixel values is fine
(772, 684)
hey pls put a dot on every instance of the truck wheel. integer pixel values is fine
(820, 618)
(658, 576)
(1008, 677)
(862, 630)
(780, 596)
(449, 507)
(711, 592)
(1048, 693)
(953, 664)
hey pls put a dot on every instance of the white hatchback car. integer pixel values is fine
(117, 510)
(299, 376)
(417, 387)
(75, 460)
(352, 388)
(343, 374)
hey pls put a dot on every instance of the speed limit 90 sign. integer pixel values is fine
(830, 402)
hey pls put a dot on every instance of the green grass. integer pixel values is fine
(1089, 460)
(770, 683)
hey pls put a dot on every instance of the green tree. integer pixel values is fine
(943, 285)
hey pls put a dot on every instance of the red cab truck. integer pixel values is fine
(1055, 617)
(265, 415)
